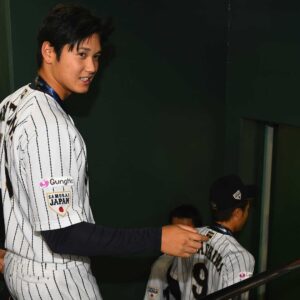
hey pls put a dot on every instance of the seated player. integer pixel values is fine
(222, 261)
(158, 286)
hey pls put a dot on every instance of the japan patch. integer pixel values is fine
(59, 201)
(152, 292)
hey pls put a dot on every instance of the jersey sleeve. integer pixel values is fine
(158, 285)
(54, 176)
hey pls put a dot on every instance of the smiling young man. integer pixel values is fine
(74, 69)
(50, 230)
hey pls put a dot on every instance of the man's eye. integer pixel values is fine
(82, 54)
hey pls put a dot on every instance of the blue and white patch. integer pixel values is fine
(59, 201)
(56, 182)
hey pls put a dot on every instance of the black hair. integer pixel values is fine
(225, 215)
(186, 211)
(67, 24)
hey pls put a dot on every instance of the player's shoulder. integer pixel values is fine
(12, 107)
(14, 98)
(203, 229)
(44, 104)
(234, 245)
(217, 239)
(234, 250)
(210, 232)
(36, 111)
(228, 247)
(17, 93)
(44, 109)
(24, 100)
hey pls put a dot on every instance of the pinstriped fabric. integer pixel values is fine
(67, 285)
(221, 262)
(43, 165)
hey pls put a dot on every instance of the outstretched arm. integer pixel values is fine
(97, 240)
(181, 240)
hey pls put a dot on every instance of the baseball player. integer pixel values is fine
(160, 282)
(49, 226)
(222, 261)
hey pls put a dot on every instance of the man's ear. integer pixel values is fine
(237, 213)
(48, 52)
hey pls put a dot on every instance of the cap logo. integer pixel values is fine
(237, 195)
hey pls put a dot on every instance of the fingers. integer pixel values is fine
(198, 237)
(191, 250)
(178, 241)
(195, 235)
(195, 245)
(192, 247)
(2, 253)
(188, 228)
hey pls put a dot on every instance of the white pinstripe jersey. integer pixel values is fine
(221, 262)
(43, 173)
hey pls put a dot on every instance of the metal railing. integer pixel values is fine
(252, 282)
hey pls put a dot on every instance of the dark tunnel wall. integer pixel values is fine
(263, 78)
(263, 73)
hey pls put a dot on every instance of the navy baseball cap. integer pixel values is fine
(229, 192)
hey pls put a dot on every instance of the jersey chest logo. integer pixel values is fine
(59, 201)
(56, 182)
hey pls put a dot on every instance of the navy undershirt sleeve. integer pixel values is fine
(87, 239)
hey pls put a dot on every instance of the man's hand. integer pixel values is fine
(181, 240)
(2, 253)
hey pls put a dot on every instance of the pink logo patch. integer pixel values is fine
(245, 275)
(44, 183)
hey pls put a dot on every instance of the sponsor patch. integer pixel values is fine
(56, 181)
(59, 201)
(245, 275)
(152, 292)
